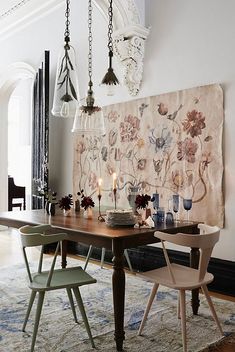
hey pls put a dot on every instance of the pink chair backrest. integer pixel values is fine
(205, 241)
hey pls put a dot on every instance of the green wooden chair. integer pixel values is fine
(53, 279)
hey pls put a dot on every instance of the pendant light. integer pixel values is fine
(110, 79)
(89, 118)
(66, 97)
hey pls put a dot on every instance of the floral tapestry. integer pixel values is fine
(166, 144)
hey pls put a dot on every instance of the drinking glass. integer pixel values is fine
(155, 200)
(187, 203)
(176, 202)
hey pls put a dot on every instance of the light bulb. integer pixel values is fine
(110, 89)
(64, 112)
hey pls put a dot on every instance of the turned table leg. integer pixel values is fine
(118, 281)
(64, 247)
(194, 261)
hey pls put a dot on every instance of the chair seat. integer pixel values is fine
(62, 278)
(185, 277)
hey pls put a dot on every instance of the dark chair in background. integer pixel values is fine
(15, 192)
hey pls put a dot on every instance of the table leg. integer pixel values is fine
(118, 281)
(194, 262)
(64, 247)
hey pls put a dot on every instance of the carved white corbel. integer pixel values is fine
(129, 45)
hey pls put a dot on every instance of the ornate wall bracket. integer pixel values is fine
(129, 47)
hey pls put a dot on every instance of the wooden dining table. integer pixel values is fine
(98, 234)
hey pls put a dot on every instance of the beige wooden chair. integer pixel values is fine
(52, 279)
(183, 278)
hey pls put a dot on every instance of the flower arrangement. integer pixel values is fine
(142, 201)
(80, 194)
(66, 202)
(87, 202)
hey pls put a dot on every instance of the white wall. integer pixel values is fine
(191, 43)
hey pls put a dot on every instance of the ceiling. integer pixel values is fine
(15, 14)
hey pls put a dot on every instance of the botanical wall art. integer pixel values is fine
(166, 144)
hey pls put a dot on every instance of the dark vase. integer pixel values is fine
(52, 209)
(77, 205)
(47, 207)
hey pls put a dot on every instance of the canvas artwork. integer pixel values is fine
(170, 144)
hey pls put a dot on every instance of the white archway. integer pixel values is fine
(8, 82)
(129, 34)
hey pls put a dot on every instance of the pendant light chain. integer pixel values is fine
(110, 79)
(90, 42)
(67, 22)
(110, 27)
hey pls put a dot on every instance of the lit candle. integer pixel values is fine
(99, 186)
(114, 180)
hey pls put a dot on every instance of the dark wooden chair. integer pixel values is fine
(15, 192)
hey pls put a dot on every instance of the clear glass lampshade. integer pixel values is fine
(92, 124)
(66, 94)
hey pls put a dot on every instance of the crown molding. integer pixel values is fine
(23, 13)
(129, 33)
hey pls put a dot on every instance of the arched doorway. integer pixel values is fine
(14, 75)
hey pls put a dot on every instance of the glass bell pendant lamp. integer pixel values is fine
(89, 118)
(110, 80)
(66, 96)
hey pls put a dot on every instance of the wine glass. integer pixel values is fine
(187, 203)
(155, 200)
(176, 201)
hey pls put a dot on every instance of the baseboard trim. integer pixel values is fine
(148, 257)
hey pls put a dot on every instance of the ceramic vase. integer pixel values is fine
(88, 213)
(67, 212)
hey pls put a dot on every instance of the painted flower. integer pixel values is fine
(141, 164)
(163, 141)
(92, 180)
(206, 159)
(129, 128)
(162, 109)
(81, 147)
(104, 153)
(158, 165)
(177, 178)
(140, 143)
(187, 150)
(113, 134)
(194, 123)
(113, 116)
(117, 154)
(110, 169)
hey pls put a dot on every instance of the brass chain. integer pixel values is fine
(110, 26)
(67, 22)
(90, 40)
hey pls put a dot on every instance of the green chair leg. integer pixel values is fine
(69, 292)
(37, 318)
(31, 300)
(83, 313)
(88, 257)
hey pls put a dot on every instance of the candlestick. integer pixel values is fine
(99, 186)
(115, 197)
(100, 217)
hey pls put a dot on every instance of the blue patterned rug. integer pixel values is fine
(58, 332)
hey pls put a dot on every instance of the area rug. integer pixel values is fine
(227, 344)
(58, 332)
